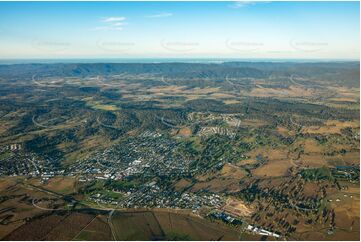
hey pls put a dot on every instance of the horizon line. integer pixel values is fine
(154, 60)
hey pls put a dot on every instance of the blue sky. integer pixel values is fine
(295, 30)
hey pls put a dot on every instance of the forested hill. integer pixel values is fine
(348, 72)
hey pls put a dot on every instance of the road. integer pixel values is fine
(107, 125)
(41, 84)
(294, 82)
(46, 209)
(38, 124)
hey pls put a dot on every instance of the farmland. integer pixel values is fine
(163, 224)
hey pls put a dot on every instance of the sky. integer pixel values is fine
(244, 30)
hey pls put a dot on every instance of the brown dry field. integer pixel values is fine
(347, 93)
(312, 146)
(36, 229)
(217, 185)
(168, 89)
(225, 180)
(246, 162)
(341, 235)
(291, 92)
(66, 226)
(19, 205)
(186, 132)
(207, 90)
(347, 209)
(5, 230)
(135, 225)
(347, 213)
(313, 154)
(158, 92)
(285, 132)
(197, 228)
(185, 92)
(347, 220)
(106, 107)
(232, 171)
(182, 184)
(273, 168)
(5, 126)
(70, 227)
(97, 230)
(352, 158)
(330, 127)
(214, 183)
(222, 96)
(266, 152)
(277, 165)
(63, 185)
(5, 183)
(204, 177)
(310, 189)
(313, 161)
(231, 101)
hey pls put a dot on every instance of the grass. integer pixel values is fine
(99, 105)
(106, 107)
(317, 174)
(5, 155)
(63, 185)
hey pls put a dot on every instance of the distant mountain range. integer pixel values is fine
(347, 72)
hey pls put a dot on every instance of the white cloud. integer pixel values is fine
(113, 19)
(119, 24)
(117, 28)
(108, 28)
(111, 23)
(241, 4)
(160, 15)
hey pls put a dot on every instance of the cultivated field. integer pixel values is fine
(157, 224)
